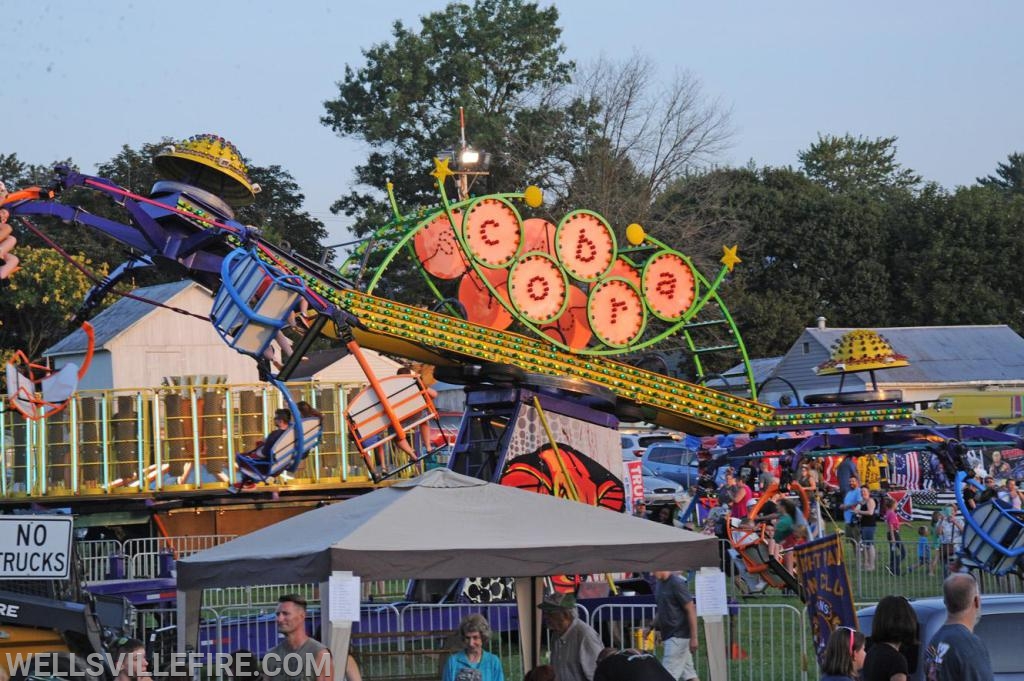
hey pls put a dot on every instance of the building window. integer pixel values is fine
(807, 348)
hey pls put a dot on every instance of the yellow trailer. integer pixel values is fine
(977, 407)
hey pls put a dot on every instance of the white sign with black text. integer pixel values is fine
(35, 547)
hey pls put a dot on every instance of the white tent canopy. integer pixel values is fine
(439, 525)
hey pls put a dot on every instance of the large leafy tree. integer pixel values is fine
(36, 307)
(848, 163)
(500, 60)
(277, 211)
(966, 268)
(1009, 176)
(806, 251)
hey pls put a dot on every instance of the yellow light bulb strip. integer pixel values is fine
(710, 408)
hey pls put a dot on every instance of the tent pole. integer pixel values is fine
(188, 606)
(529, 594)
(335, 634)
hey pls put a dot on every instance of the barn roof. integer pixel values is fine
(118, 318)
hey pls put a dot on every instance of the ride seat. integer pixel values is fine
(253, 303)
(285, 453)
(996, 526)
(60, 385)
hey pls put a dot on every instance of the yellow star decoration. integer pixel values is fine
(441, 170)
(729, 257)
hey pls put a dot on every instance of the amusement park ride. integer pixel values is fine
(540, 320)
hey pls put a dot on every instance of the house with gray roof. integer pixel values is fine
(942, 359)
(141, 345)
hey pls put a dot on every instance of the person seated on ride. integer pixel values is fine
(741, 494)
(790, 529)
(265, 448)
(990, 492)
(970, 492)
(767, 515)
(307, 411)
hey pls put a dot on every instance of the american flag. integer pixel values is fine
(829, 470)
(906, 471)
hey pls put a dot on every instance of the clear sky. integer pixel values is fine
(79, 79)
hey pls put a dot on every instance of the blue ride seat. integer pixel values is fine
(993, 537)
(285, 454)
(253, 303)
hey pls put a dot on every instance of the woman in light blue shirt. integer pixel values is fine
(473, 663)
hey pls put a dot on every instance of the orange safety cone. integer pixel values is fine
(737, 653)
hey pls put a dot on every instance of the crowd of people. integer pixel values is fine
(891, 652)
(576, 653)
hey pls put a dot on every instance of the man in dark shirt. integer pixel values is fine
(955, 653)
(677, 623)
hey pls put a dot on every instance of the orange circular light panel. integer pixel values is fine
(585, 245)
(438, 249)
(668, 286)
(621, 268)
(616, 312)
(572, 327)
(482, 307)
(539, 235)
(493, 232)
(537, 287)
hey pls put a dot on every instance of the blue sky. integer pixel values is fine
(81, 79)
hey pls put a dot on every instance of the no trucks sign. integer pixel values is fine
(35, 547)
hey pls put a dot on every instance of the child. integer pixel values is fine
(924, 549)
(844, 655)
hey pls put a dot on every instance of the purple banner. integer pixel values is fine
(827, 587)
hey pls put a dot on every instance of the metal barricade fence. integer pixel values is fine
(257, 596)
(96, 555)
(768, 642)
(145, 554)
(430, 634)
(901, 568)
(763, 642)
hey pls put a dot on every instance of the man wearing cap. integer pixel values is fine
(677, 623)
(576, 645)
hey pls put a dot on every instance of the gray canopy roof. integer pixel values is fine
(446, 525)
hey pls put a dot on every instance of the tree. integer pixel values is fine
(498, 59)
(1009, 176)
(642, 138)
(278, 212)
(966, 269)
(847, 163)
(36, 308)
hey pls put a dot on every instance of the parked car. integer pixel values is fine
(673, 461)
(659, 491)
(1000, 626)
(634, 444)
